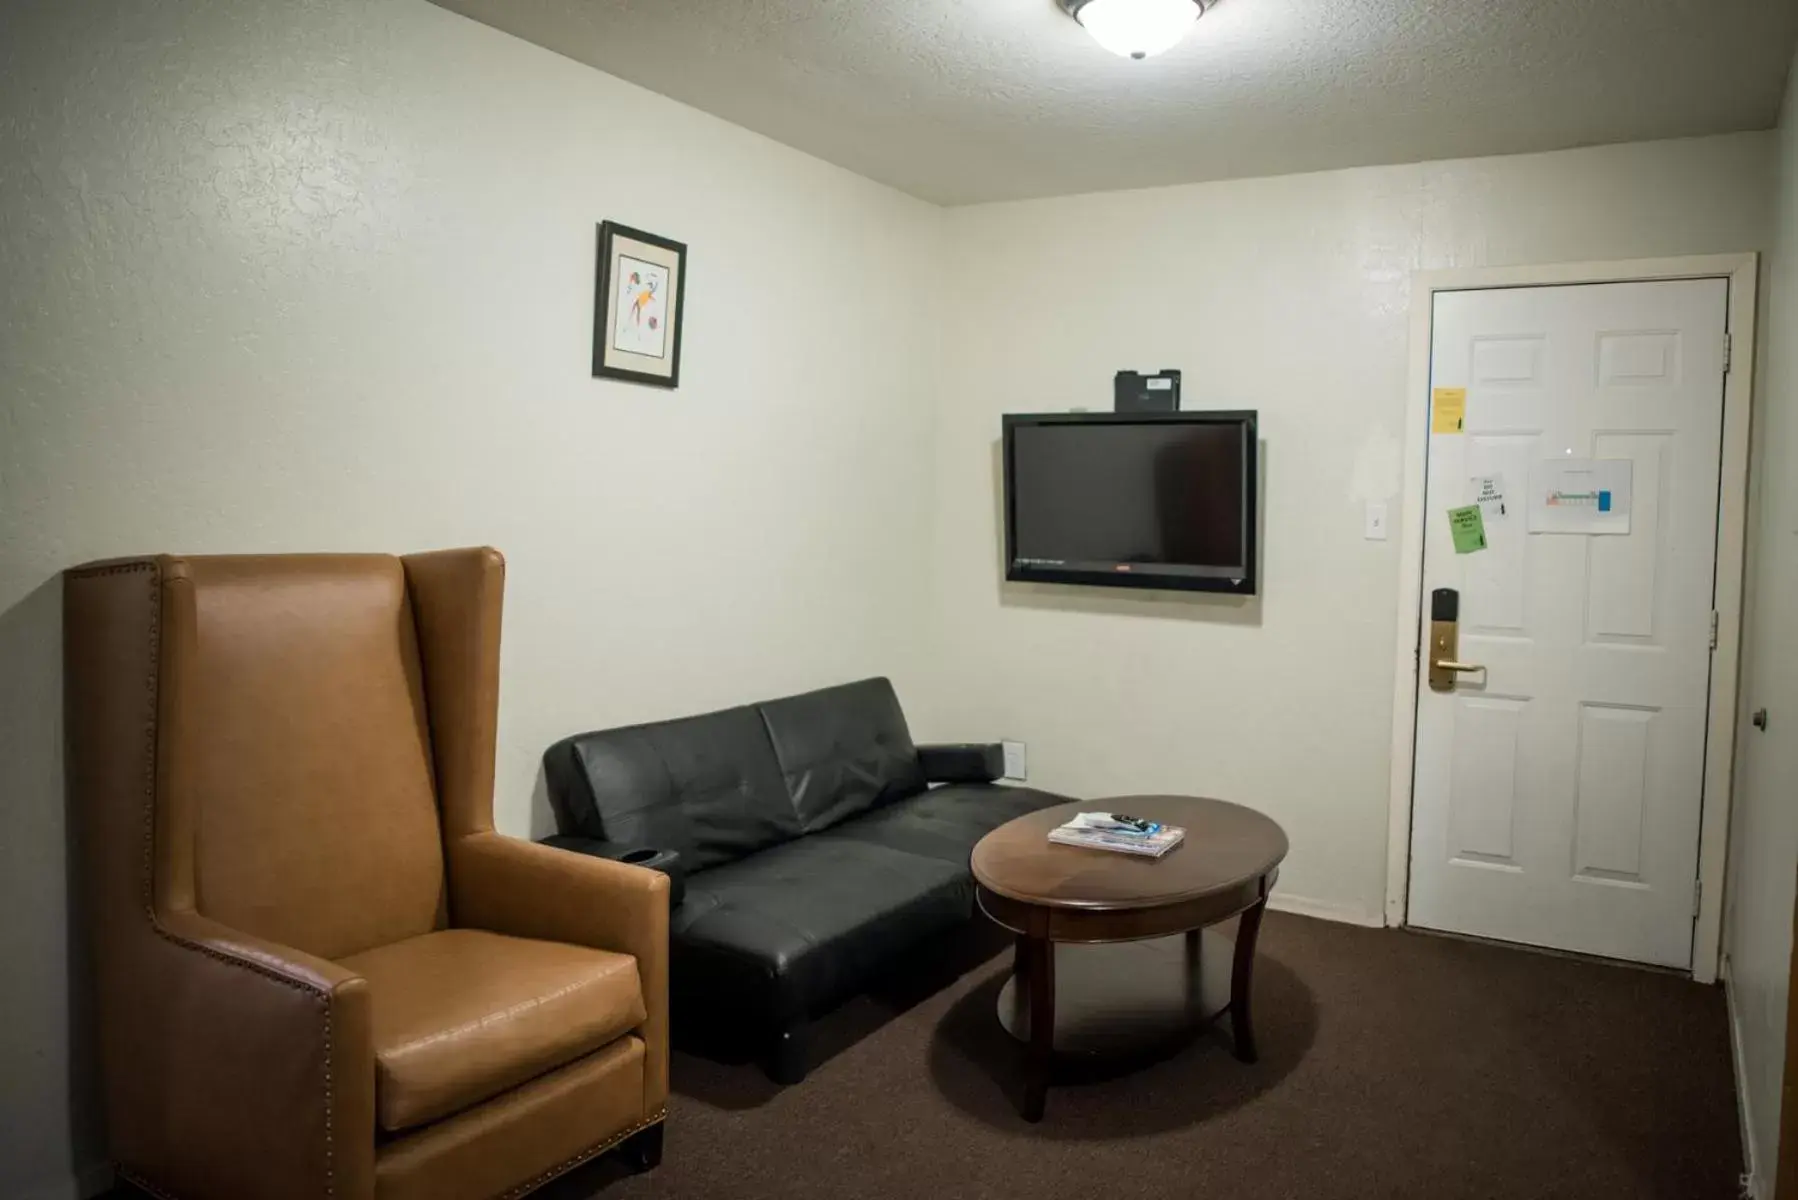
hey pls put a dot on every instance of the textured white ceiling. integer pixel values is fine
(960, 101)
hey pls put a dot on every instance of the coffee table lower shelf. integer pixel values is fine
(1114, 1006)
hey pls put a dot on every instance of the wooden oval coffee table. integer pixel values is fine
(1047, 893)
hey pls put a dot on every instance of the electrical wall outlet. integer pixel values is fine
(1015, 767)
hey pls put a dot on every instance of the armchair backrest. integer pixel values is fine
(297, 751)
(321, 724)
(269, 759)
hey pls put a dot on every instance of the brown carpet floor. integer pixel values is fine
(1392, 1064)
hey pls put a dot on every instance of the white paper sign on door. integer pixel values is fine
(1580, 495)
(1488, 492)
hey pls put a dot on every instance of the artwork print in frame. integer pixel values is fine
(637, 306)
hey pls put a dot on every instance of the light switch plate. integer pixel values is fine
(1015, 765)
(1376, 521)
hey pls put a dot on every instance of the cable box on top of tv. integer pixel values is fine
(1137, 392)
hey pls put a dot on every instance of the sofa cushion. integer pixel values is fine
(842, 751)
(461, 1016)
(800, 927)
(708, 787)
(945, 822)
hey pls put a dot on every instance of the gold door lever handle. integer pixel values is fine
(1445, 635)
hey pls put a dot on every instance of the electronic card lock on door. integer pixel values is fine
(1445, 637)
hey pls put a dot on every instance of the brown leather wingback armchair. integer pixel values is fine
(320, 973)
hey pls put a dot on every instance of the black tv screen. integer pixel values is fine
(1157, 500)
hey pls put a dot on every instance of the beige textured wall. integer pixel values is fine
(1288, 295)
(319, 275)
(1764, 833)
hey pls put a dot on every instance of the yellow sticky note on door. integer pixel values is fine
(1448, 410)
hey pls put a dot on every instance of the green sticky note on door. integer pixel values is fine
(1468, 527)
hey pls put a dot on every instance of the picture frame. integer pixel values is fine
(637, 308)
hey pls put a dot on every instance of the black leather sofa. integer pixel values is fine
(805, 840)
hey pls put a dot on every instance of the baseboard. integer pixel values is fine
(1752, 1187)
(92, 1180)
(1324, 910)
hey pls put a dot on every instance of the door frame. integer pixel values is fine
(1742, 271)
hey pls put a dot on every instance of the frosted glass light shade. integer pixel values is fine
(1138, 28)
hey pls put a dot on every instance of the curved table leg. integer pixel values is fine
(1242, 978)
(1039, 975)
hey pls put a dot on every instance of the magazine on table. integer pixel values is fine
(1118, 833)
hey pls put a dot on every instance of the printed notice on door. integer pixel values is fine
(1448, 410)
(1489, 494)
(1580, 495)
(1468, 529)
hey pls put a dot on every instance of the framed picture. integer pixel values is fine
(637, 308)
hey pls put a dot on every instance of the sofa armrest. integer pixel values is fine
(259, 1047)
(962, 762)
(668, 862)
(511, 886)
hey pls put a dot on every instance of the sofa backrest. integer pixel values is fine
(707, 786)
(842, 751)
(721, 786)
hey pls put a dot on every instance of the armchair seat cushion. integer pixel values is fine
(461, 1016)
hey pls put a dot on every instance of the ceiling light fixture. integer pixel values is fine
(1136, 28)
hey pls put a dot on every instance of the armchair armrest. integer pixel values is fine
(962, 762)
(251, 1045)
(666, 861)
(508, 885)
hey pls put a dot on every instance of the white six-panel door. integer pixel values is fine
(1556, 798)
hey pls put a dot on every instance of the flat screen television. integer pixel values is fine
(1140, 500)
